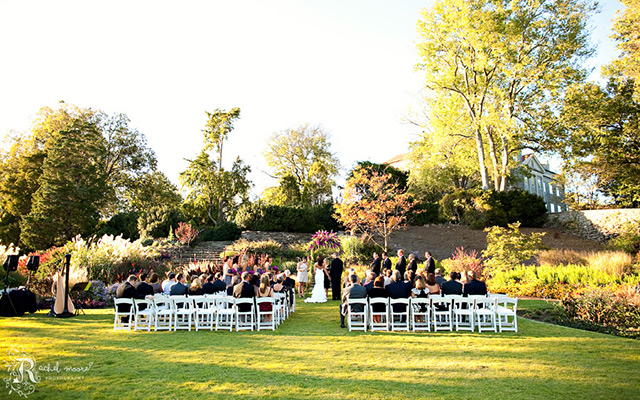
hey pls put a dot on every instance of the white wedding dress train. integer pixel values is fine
(318, 295)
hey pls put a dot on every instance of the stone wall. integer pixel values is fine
(281, 237)
(600, 225)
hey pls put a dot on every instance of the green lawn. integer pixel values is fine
(311, 357)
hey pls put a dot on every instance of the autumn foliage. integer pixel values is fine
(186, 233)
(374, 203)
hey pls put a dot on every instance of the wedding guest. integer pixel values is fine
(236, 280)
(207, 286)
(452, 286)
(439, 278)
(265, 290)
(218, 284)
(474, 286)
(378, 291)
(429, 263)
(353, 291)
(153, 281)
(386, 261)
(288, 282)
(397, 288)
(143, 287)
(279, 286)
(387, 276)
(401, 265)
(166, 285)
(420, 291)
(413, 264)
(196, 288)
(432, 284)
(179, 288)
(368, 283)
(245, 289)
(128, 291)
(376, 264)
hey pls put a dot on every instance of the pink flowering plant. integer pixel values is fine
(325, 240)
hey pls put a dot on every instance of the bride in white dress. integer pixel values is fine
(318, 295)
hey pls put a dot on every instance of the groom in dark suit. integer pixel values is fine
(335, 272)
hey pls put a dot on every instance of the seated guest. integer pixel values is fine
(378, 291)
(128, 291)
(420, 291)
(265, 290)
(166, 285)
(288, 282)
(279, 286)
(218, 283)
(368, 282)
(439, 278)
(254, 279)
(398, 289)
(179, 288)
(234, 281)
(196, 288)
(474, 286)
(353, 291)
(387, 276)
(143, 287)
(410, 276)
(452, 286)
(245, 289)
(208, 287)
(154, 282)
(432, 284)
(367, 277)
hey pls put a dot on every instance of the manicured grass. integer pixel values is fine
(311, 357)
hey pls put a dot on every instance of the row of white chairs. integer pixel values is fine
(437, 312)
(210, 312)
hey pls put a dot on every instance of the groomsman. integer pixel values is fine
(401, 265)
(430, 263)
(386, 261)
(376, 264)
(335, 272)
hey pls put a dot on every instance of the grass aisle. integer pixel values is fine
(311, 357)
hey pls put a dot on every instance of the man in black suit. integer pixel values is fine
(353, 291)
(429, 263)
(335, 272)
(452, 286)
(401, 265)
(386, 261)
(143, 287)
(128, 291)
(413, 264)
(376, 265)
(218, 283)
(474, 286)
(244, 290)
(179, 289)
(398, 289)
(288, 282)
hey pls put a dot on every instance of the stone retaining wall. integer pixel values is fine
(281, 237)
(600, 225)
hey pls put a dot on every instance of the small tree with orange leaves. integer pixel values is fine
(373, 203)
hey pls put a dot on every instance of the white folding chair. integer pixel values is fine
(144, 314)
(464, 313)
(506, 308)
(182, 312)
(379, 321)
(357, 312)
(204, 312)
(163, 312)
(245, 314)
(441, 311)
(225, 312)
(399, 315)
(280, 307)
(124, 314)
(267, 319)
(420, 314)
(485, 313)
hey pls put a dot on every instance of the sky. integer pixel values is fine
(346, 65)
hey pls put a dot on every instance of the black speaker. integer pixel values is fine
(11, 263)
(33, 263)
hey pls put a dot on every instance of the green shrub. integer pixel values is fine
(158, 221)
(223, 232)
(267, 217)
(125, 224)
(628, 241)
(424, 213)
(358, 250)
(271, 247)
(518, 205)
(508, 247)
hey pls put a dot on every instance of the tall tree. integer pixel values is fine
(373, 203)
(627, 35)
(303, 155)
(508, 62)
(71, 188)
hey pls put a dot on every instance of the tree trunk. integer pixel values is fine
(481, 161)
(494, 159)
(504, 171)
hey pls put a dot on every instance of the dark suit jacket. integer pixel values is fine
(354, 292)
(127, 291)
(289, 282)
(399, 290)
(430, 265)
(369, 286)
(440, 280)
(219, 286)
(413, 265)
(386, 264)
(144, 288)
(451, 287)
(209, 288)
(376, 265)
(335, 269)
(475, 287)
(244, 290)
(401, 265)
(179, 289)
